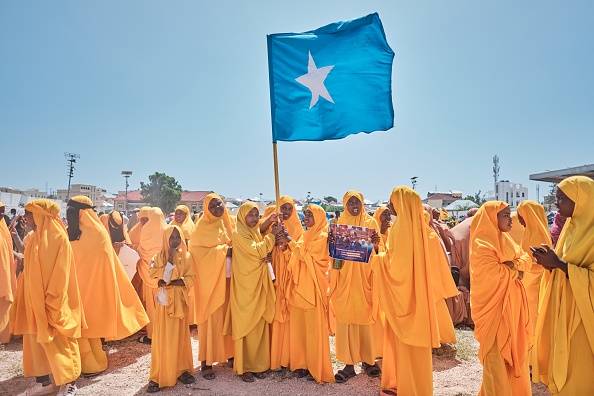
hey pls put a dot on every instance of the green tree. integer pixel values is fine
(478, 198)
(330, 199)
(162, 191)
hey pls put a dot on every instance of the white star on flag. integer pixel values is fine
(314, 81)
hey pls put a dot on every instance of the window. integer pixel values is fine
(523, 195)
(507, 197)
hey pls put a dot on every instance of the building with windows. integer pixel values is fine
(192, 199)
(440, 200)
(512, 193)
(97, 194)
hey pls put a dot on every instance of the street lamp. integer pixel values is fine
(413, 181)
(126, 175)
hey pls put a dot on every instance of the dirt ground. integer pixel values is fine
(129, 364)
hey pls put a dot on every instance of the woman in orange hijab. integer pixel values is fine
(405, 288)
(118, 231)
(359, 330)
(498, 302)
(101, 277)
(7, 279)
(383, 218)
(48, 309)
(308, 299)
(532, 216)
(183, 219)
(210, 246)
(565, 324)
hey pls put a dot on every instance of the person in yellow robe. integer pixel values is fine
(252, 300)
(101, 277)
(183, 219)
(405, 288)
(383, 218)
(532, 216)
(48, 310)
(498, 302)
(147, 239)
(210, 246)
(116, 228)
(359, 331)
(308, 299)
(171, 349)
(517, 231)
(565, 324)
(7, 279)
(280, 348)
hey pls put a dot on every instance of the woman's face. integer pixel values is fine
(30, 220)
(252, 218)
(354, 206)
(386, 218)
(504, 220)
(286, 210)
(308, 218)
(216, 207)
(179, 216)
(564, 203)
(174, 239)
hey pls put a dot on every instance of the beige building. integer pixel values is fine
(97, 194)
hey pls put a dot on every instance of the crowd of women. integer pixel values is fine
(261, 293)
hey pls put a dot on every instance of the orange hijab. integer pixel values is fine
(497, 294)
(187, 226)
(114, 220)
(536, 231)
(377, 215)
(293, 224)
(148, 237)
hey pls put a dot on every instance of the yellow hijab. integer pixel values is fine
(49, 302)
(517, 231)
(362, 219)
(536, 231)
(293, 224)
(7, 264)
(377, 215)
(187, 226)
(151, 233)
(497, 295)
(114, 220)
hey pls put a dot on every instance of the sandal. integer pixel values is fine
(372, 371)
(145, 340)
(207, 373)
(344, 375)
(153, 387)
(261, 375)
(187, 378)
(247, 377)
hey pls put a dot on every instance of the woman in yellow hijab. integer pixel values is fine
(565, 324)
(101, 277)
(117, 230)
(308, 299)
(383, 218)
(210, 246)
(281, 255)
(147, 238)
(359, 330)
(171, 349)
(7, 279)
(532, 216)
(498, 302)
(517, 231)
(48, 310)
(183, 219)
(251, 303)
(405, 288)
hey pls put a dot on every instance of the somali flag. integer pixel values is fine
(331, 82)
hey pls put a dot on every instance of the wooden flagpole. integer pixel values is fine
(276, 181)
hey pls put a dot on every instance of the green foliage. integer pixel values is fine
(478, 198)
(330, 199)
(162, 191)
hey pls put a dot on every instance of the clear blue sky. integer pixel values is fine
(182, 87)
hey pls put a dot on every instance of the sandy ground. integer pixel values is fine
(129, 364)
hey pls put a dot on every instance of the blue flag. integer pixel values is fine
(331, 82)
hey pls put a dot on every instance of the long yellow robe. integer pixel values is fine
(112, 308)
(208, 245)
(187, 226)
(565, 324)
(499, 305)
(405, 288)
(517, 231)
(8, 282)
(536, 233)
(280, 349)
(308, 301)
(354, 298)
(171, 349)
(148, 241)
(251, 303)
(48, 309)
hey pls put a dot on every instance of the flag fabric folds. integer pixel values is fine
(331, 82)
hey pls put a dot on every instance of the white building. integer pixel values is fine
(97, 194)
(512, 193)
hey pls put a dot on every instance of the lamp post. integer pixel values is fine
(126, 175)
(413, 181)
(70, 161)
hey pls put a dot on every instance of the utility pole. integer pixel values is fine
(70, 161)
(538, 193)
(496, 174)
(413, 181)
(126, 175)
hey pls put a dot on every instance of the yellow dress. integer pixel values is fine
(7, 280)
(101, 278)
(48, 310)
(565, 325)
(208, 245)
(405, 288)
(497, 297)
(308, 301)
(359, 331)
(251, 303)
(171, 348)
